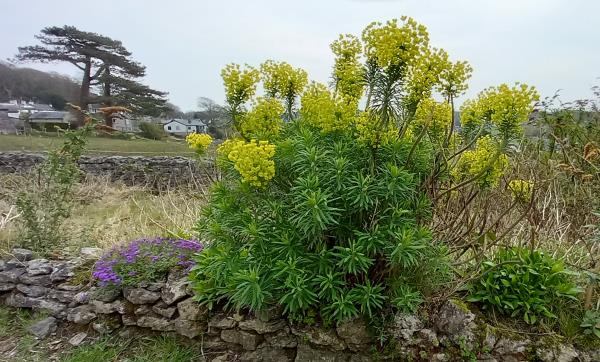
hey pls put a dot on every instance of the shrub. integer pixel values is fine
(44, 208)
(333, 229)
(523, 283)
(151, 131)
(144, 260)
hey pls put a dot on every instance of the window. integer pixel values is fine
(169, 128)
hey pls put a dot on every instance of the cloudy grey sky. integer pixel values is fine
(552, 44)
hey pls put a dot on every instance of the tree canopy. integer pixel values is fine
(106, 65)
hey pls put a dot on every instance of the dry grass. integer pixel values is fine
(107, 213)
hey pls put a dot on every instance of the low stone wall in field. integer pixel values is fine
(453, 333)
(156, 172)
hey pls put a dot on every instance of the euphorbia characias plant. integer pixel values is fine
(325, 210)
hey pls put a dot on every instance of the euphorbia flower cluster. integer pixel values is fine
(144, 260)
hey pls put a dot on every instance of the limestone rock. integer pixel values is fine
(118, 306)
(11, 276)
(81, 297)
(54, 307)
(107, 324)
(140, 295)
(248, 341)
(43, 328)
(354, 332)
(142, 310)
(32, 290)
(222, 321)
(18, 300)
(405, 326)
(22, 254)
(214, 343)
(282, 339)
(61, 272)
(306, 353)
(190, 329)
(155, 322)
(161, 308)
(153, 287)
(106, 295)
(39, 267)
(129, 320)
(191, 310)
(266, 354)
(456, 321)
(174, 291)
(77, 339)
(81, 315)
(5, 287)
(261, 327)
(320, 336)
(14, 264)
(268, 314)
(430, 337)
(68, 287)
(562, 353)
(43, 280)
(61, 295)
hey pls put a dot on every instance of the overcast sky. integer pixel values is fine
(551, 44)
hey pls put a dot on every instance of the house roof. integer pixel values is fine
(11, 107)
(187, 122)
(48, 115)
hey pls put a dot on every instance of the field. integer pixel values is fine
(106, 214)
(97, 145)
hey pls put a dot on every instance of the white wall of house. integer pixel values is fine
(182, 129)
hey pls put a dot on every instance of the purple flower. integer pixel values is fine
(120, 264)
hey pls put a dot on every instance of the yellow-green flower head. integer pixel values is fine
(425, 72)
(433, 116)
(264, 120)
(371, 130)
(393, 43)
(253, 160)
(348, 73)
(522, 190)
(281, 80)
(453, 79)
(199, 142)
(506, 108)
(321, 110)
(486, 163)
(240, 84)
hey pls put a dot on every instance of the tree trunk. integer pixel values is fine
(108, 117)
(84, 94)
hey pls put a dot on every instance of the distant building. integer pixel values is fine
(46, 119)
(125, 124)
(182, 127)
(10, 125)
(18, 109)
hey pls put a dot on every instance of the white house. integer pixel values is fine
(182, 127)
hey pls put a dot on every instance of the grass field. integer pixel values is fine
(97, 145)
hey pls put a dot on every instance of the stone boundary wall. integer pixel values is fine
(157, 172)
(452, 334)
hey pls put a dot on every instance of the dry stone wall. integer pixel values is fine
(157, 172)
(453, 334)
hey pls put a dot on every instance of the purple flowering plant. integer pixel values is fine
(144, 260)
